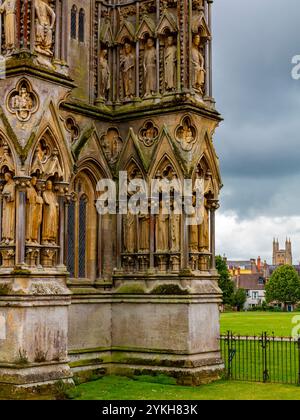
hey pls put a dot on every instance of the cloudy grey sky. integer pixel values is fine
(258, 142)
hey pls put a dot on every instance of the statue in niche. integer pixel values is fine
(162, 231)
(204, 231)
(130, 233)
(144, 233)
(198, 70)
(45, 20)
(22, 103)
(51, 216)
(53, 166)
(175, 222)
(128, 71)
(150, 68)
(9, 8)
(34, 209)
(170, 64)
(104, 82)
(9, 210)
(41, 156)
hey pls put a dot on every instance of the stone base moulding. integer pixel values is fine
(34, 334)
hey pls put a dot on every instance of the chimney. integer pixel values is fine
(259, 264)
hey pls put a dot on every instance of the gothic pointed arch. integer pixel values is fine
(7, 155)
(167, 149)
(146, 28)
(132, 152)
(82, 222)
(47, 160)
(126, 32)
(167, 23)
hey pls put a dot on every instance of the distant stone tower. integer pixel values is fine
(282, 256)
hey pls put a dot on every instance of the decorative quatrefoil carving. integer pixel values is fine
(23, 101)
(186, 134)
(148, 133)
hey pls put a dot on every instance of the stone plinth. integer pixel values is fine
(33, 336)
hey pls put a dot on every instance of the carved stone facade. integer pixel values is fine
(93, 89)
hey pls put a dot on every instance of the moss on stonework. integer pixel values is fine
(5, 289)
(169, 289)
(20, 272)
(131, 289)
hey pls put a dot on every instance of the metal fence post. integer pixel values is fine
(264, 341)
(299, 361)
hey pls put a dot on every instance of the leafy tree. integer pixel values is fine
(225, 282)
(283, 286)
(240, 298)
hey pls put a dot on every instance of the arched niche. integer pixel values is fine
(48, 160)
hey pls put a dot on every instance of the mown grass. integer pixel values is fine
(147, 388)
(254, 323)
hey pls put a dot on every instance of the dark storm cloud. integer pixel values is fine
(258, 143)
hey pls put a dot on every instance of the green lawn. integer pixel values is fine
(254, 323)
(117, 388)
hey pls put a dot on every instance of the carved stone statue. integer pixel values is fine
(9, 8)
(34, 209)
(144, 233)
(9, 210)
(162, 231)
(170, 64)
(104, 82)
(194, 238)
(51, 216)
(130, 233)
(204, 232)
(45, 20)
(198, 71)
(128, 71)
(150, 68)
(175, 222)
(22, 103)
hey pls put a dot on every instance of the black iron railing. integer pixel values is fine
(261, 358)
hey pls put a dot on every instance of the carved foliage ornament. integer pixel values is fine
(148, 134)
(186, 134)
(23, 101)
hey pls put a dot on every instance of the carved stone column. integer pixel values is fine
(63, 188)
(213, 205)
(210, 87)
(21, 184)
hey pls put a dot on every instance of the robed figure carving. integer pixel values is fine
(34, 211)
(130, 233)
(170, 64)
(144, 233)
(104, 73)
(198, 70)
(128, 71)
(175, 222)
(9, 8)
(50, 216)
(45, 20)
(9, 210)
(162, 231)
(150, 68)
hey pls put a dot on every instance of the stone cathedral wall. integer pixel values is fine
(89, 89)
